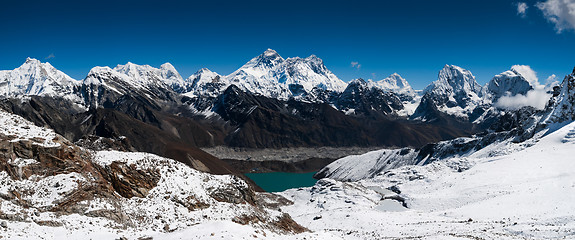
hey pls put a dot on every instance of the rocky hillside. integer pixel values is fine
(51, 187)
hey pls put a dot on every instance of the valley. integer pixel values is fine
(294, 160)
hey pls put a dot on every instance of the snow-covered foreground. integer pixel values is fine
(526, 194)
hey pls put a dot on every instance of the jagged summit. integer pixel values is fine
(270, 52)
(455, 79)
(144, 75)
(36, 78)
(270, 75)
(455, 92)
(363, 98)
(205, 82)
(268, 59)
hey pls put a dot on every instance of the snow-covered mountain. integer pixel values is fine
(104, 85)
(41, 79)
(142, 76)
(510, 82)
(272, 76)
(455, 92)
(398, 85)
(363, 98)
(101, 85)
(206, 82)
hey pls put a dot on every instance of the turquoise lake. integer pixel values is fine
(280, 181)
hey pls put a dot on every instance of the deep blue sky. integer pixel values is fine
(412, 38)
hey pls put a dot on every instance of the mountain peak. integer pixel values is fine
(359, 81)
(313, 57)
(509, 82)
(457, 79)
(98, 70)
(527, 73)
(396, 80)
(203, 70)
(266, 60)
(32, 60)
(455, 92)
(454, 68)
(397, 85)
(270, 52)
(168, 66)
(36, 78)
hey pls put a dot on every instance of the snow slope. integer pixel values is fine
(527, 194)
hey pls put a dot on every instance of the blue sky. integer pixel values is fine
(412, 38)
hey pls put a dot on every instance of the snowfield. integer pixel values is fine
(527, 194)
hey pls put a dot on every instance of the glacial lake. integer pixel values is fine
(280, 181)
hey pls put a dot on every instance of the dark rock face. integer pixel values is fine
(53, 161)
(234, 193)
(261, 122)
(144, 130)
(128, 181)
(366, 101)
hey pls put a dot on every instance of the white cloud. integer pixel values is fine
(50, 56)
(551, 81)
(528, 74)
(355, 65)
(551, 78)
(559, 12)
(522, 9)
(536, 98)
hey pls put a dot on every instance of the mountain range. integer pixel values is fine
(269, 102)
(459, 160)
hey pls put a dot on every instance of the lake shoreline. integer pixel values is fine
(303, 166)
(281, 181)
